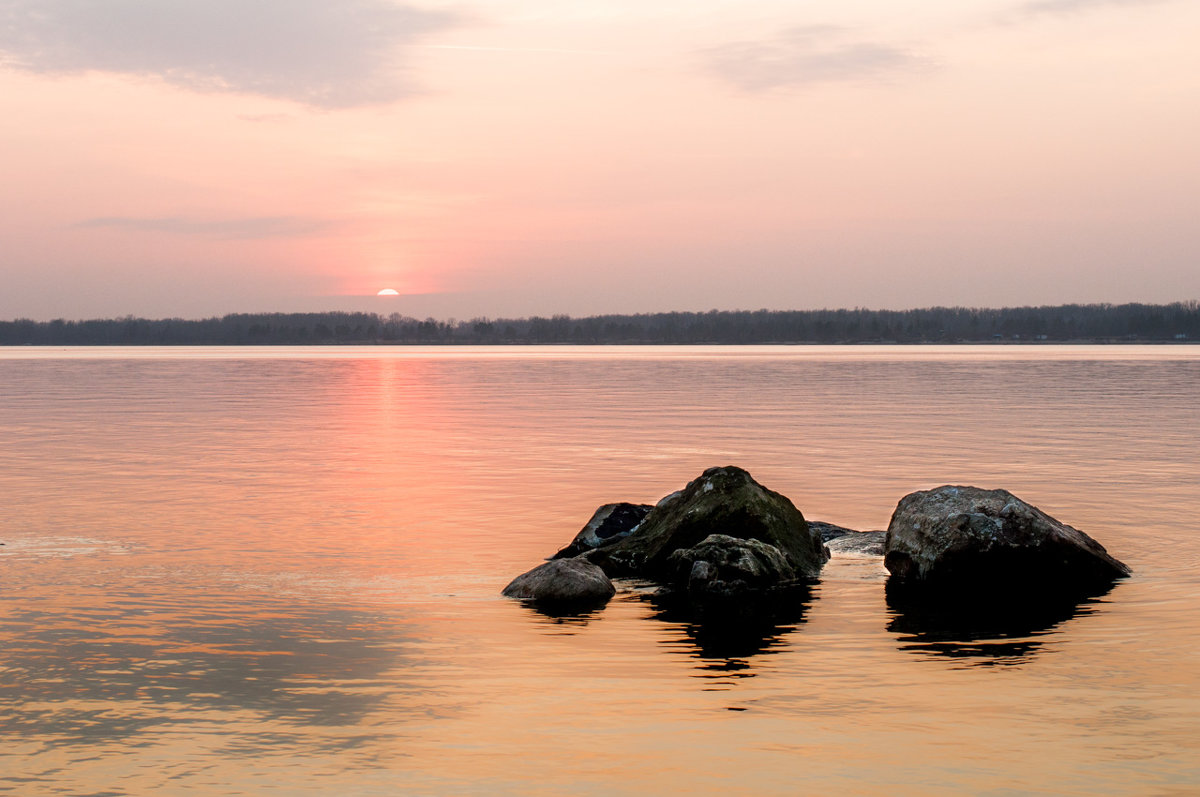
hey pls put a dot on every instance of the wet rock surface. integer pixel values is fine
(971, 539)
(829, 531)
(860, 543)
(563, 582)
(608, 524)
(724, 567)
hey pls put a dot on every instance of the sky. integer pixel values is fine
(492, 158)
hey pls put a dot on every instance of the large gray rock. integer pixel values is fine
(969, 537)
(608, 524)
(562, 581)
(725, 501)
(727, 567)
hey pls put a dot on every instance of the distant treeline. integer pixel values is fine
(1122, 323)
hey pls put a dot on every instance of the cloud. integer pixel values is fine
(805, 56)
(1039, 7)
(265, 118)
(250, 228)
(324, 53)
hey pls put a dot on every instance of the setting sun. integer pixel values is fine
(388, 292)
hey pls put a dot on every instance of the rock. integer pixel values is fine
(725, 501)
(863, 543)
(828, 531)
(839, 539)
(727, 567)
(562, 581)
(983, 539)
(669, 497)
(610, 523)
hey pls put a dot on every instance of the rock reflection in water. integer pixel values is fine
(561, 618)
(721, 641)
(982, 628)
(726, 639)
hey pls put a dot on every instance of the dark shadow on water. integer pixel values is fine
(562, 618)
(721, 640)
(982, 627)
(724, 640)
(299, 667)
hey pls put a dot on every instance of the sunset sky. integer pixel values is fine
(513, 157)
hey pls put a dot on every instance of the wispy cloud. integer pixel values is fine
(487, 49)
(249, 228)
(808, 55)
(324, 53)
(265, 118)
(1042, 7)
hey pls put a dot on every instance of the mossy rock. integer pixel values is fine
(725, 501)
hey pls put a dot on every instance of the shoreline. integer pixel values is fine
(616, 344)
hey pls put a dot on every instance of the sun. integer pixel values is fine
(388, 292)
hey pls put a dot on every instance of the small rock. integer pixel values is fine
(562, 581)
(828, 531)
(728, 567)
(865, 543)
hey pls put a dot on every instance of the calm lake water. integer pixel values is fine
(253, 571)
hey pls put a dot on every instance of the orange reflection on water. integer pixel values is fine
(278, 571)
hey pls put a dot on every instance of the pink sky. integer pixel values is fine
(174, 158)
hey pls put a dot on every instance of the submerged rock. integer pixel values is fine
(562, 581)
(864, 543)
(722, 501)
(609, 523)
(841, 540)
(982, 539)
(828, 531)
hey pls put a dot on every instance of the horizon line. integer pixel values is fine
(1190, 304)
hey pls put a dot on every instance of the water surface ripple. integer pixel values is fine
(233, 571)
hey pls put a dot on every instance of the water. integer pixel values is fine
(232, 571)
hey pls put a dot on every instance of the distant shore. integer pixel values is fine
(1177, 323)
(628, 344)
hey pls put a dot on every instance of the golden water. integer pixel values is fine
(233, 571)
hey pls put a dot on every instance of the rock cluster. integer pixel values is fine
(725, 540)
(730, 534)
